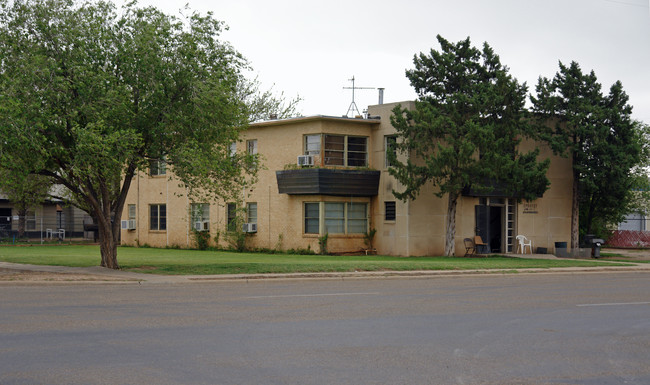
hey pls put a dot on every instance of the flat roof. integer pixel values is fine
(303, 119)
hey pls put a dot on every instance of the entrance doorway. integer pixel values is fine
(495, 223)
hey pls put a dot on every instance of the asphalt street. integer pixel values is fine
(493, 329)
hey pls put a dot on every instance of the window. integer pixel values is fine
(357, 151)
(200, 212)
(312, 144)
(30, 221)
(251, 212)
(251, 146)
(231, 214)
(389, 148)
(312, 218)
(337, 218)
(158, 217)
(340, 150)
(233, 149)
(334, 150)
(357, 218)
(131, 211)
(157, 167)
(389, 210)
(334, 218)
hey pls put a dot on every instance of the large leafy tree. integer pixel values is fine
(465, 129)
(89, 96)
(596, 131)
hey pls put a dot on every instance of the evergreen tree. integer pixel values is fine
(465, 129)
(596, 131)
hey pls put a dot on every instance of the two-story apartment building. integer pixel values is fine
(329, 175)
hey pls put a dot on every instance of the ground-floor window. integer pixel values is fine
(389, 211)
(312, 218)
(231, 214)
(158, 217)
(251, 212)
(336, 217)
(30, 221)
(200, 216)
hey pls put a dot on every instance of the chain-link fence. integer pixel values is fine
(65, 225)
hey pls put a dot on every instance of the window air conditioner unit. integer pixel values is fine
(305, 160)
(128, 224)
(202, 225)
(250, 227)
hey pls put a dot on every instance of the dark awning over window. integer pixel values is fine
(321, 181)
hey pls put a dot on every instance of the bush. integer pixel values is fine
(202, 239)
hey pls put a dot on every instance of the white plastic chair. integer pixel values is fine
(523, 242)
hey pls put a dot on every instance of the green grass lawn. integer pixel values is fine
(175, 261)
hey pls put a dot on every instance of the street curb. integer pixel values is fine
(125, 277)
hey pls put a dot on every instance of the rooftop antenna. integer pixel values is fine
(353, 105)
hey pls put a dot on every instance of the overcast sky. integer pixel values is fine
(313, 48)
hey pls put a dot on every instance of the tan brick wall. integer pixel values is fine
(419, 228)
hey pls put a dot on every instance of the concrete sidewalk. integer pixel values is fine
(103, 275)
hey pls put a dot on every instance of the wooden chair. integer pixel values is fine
(470, 248)
(481, 247)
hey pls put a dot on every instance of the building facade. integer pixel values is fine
(329, 176)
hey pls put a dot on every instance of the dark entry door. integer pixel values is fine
(489, 220)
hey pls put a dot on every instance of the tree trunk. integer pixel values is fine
(575, 215)
(22, 222)
(450, 240)
(107, 245)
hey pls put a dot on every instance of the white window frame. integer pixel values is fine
(251, 212)
(251, 146)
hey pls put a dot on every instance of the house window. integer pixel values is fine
(131, 211)
(312, 218)
(200, 212)
(157, 167)
(389, 210)
(312, 144)
(343, 150)
(231, 215)
(334, 150)
(251, 212)
(357, 151)
(334, 218)
(389, 148)
(251, 146)
(158, 217)
(30, 221)
(337, 218)
(233, 149)
(357, 218)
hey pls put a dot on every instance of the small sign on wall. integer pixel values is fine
(16, 217)
(530, 208)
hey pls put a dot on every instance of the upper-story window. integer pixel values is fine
(338, 150)
(390, 148)
(251, 146)
(157, 167)
(312, 144)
